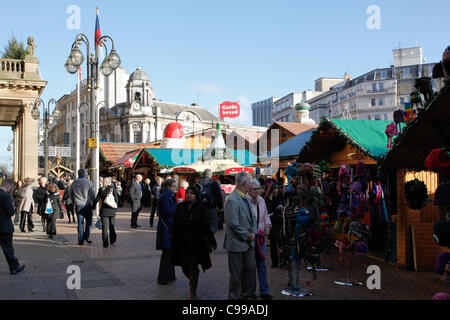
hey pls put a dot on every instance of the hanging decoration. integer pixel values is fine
(391, 131)
(416, 194)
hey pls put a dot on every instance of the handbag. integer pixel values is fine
(110, 201)
(48, 207)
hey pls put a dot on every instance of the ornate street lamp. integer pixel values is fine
(35, 114)
(107, 67)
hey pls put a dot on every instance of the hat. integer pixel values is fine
(361, 169)
(361, 248)
(442, 195)
(438, 160)
(356, 187)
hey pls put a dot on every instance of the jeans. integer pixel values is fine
(262, 273)
(84, 231)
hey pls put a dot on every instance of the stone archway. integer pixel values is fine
(20, 85)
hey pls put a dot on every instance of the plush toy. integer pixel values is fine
(409, 114)
(424, 86)
(391, 131)
(415, 98)
(439, 160)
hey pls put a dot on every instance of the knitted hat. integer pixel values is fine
(356, 187)
(438, 160)
(361, 169)
(442, 195)
(361, 248)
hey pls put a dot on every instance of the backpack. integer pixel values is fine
(206, 195)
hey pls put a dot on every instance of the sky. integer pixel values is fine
(212, 51)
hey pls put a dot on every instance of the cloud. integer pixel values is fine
(208, 88)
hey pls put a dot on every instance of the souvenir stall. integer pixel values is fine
(419, 162)
(121, 168)
(220, 160)
(353, 186)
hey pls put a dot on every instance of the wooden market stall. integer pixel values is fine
(430, 130)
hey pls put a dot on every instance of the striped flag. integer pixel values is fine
(98, 34)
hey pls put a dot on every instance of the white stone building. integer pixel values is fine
(262, 112)
(376, 94)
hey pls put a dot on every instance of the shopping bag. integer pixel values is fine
(48, 207)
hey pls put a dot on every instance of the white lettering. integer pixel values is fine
(74, 280)
(73, 21)
(374, 20)
(374, 281)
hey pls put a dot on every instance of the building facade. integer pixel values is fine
(262, 112)
(376, 94)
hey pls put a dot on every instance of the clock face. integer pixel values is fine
(136, 106)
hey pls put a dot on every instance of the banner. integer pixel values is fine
(229, 109)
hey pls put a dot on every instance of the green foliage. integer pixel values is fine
(14, 49)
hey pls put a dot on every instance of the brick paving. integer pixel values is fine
(129, 268)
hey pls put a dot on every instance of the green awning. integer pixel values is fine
(367, 134)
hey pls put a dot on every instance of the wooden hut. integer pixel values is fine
(430, 130)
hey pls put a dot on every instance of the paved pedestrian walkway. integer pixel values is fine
(129, 269)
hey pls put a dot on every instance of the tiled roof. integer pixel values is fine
(251, 136)
(295, 127)
(114, 151)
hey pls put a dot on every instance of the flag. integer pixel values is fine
(229, 109)
(98, 34)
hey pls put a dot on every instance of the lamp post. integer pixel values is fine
(35, 114)
(111, 62)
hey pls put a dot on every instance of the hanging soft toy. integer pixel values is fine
(291, 171)
(399, 119)
(344, 178)
(409, 114)
(391, 131)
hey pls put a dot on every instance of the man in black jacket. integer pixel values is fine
(6, 226)
(213, 201)
(135, 196)
(40, 196)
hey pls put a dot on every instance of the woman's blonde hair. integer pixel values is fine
(106, 182)
(53, 185)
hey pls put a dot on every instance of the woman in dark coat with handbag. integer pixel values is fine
(192, 239)
(57, 209)
(107, 211)
(167, 207)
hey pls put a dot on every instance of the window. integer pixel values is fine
(368, 117)
(374, 86)
(137, 136)
(380, 101)
(383, 74)
(374, 102)
(377, 117)
(385, 116)
(402, 101)
(406, 73)
(381, 86)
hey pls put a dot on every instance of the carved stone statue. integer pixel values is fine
(31, 46)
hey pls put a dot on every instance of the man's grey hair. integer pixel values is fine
(42, 178)
(241, 178)
(8, 183)
(254, 183)
(208, 173)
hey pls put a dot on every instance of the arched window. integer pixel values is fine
(137, 96)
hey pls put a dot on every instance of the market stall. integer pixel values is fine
(416, 183)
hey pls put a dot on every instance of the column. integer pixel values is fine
(29, 145)
(151, 131)
(131, 134)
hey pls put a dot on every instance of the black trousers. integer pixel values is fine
(134, 217)
(8, 250)
(28, 216)
(166, 268)
(154, 209)
(51, 224)
(274, 247)
(71, 210)
(108, 225)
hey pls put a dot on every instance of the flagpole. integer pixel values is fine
(77, 110)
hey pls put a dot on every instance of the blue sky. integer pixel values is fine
(244, 50)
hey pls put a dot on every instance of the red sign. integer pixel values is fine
(184, 170)
(228, 188)
(229, 109)
(236, 170)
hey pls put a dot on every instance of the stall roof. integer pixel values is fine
(178, 157)
(366, 135)
(430, 130)
(127, 160)
(113, 151)
(291, 147)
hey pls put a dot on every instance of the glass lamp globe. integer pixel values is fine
(56, 114)
(70, 68)
(113, 59)
(76, 57)
(105, 69)
(35, 113)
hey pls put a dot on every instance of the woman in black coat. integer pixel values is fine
(274, 203)
(192, 239)
(54, 196)
(107, 213)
